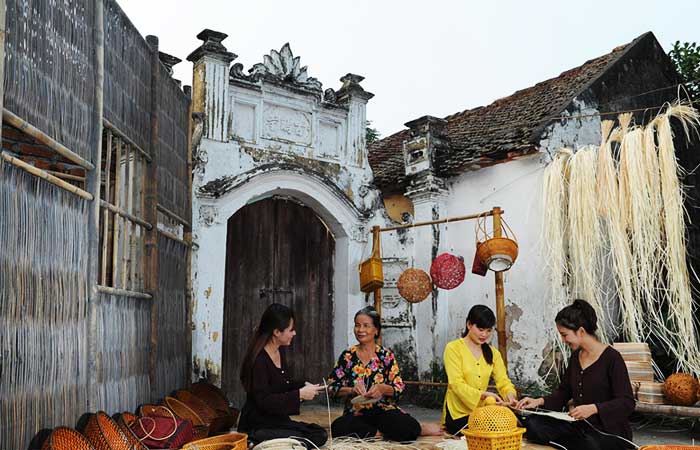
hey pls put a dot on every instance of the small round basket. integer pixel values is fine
(493, 428)
(681, 389)
(414, 285)
(234, 441)
(447, 271)
(63, 438)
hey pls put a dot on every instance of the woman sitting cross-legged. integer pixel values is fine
(272, 395)
(470, 362)
(370, 371)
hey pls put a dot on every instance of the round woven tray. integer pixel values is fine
(63, 438)
(104, 433)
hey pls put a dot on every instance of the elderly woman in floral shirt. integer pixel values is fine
(370, 372)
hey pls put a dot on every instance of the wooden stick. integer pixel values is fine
(377, 253)
(126, 215)
(425, 383)
(434, 222)
(132, 208)
(119, 133)
(500, 303)
(65, 176)
(173, 216)
(187, 234)
(173, 237)
(117, 220)
(123, 292)
(105, 215)
(45, 139)
(46, 176)
(128, 185)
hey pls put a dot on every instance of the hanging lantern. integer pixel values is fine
(496, 253)
(414, 285)
(447, 271)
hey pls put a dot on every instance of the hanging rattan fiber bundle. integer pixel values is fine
(681, 389)
(414, 285)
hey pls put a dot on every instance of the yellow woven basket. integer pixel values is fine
(493, 428)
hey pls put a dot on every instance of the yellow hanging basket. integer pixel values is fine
(371, 272)
(497, 253)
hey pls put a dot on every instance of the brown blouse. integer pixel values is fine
(274, 397)
(604, 383)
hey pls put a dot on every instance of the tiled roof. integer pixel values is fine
(508, 126)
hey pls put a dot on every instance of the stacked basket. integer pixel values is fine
(639, 364)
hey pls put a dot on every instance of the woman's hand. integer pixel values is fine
(309, 391)
(583, 411)
(359, 388)
(379, 390)
(496, 397)
(511, 399)
(529, 403)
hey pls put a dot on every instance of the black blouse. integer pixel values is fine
(604, 383)
(274, 396)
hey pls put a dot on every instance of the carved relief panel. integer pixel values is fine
(396, 312)
(285, 124)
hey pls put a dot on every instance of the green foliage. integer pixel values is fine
(371, 134)
(686, 57)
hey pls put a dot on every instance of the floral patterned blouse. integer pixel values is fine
(382, 368)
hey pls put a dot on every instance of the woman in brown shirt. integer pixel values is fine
(597, 382)
(272, 394)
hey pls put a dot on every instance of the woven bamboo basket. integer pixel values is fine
(63, 438)
(640, 370)
(668, 447)
(104, 433)
(181, 410)
(212, 395)
(235, 441)
(493, 428)
(209, 415)
(651, 392)
(124, 422)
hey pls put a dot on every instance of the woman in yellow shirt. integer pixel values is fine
(470, 362)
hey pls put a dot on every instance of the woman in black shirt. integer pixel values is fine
(597, 382)
(272, 395)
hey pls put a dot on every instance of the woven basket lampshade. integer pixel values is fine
(493, 427)
(414, 285)
(63, 438)
(498, 253)
(447, 271)
(681, 389)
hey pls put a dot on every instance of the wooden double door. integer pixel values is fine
(278, 251)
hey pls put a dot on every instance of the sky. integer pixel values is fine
(429, 57)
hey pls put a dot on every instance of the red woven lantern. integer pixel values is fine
(414, 285)
(447, 271)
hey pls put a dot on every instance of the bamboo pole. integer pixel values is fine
(377, 253)
(187, 229)
(173, 216)
(117, 220)
(66, 176)
(122, 213)
(136, 169)
(123, 292)
(2, 59)
(105, 215)
(31, 130)
(128, 186)
(46, 176)
(171, 236)
(425, 383)
(151, 213)
(500, 303)
(123, 136)
(434, 222)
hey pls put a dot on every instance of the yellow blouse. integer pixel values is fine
(468, 378)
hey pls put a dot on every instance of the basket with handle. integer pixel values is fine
(63, 438)
(104, 433)
(236, 441)
(201, 430)
(124, 422)
(371, 272)
(497, 253)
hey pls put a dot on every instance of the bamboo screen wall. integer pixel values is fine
(171, 304)
(172, 148)
(49, 70)
(44, 307)
(70, 344)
